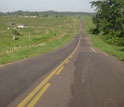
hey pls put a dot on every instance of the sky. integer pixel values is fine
(45, 5)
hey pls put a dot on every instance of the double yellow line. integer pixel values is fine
(38, 88)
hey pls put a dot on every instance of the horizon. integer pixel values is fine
(49, 11)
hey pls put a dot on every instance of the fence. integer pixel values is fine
(15, 48)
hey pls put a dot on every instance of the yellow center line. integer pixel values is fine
(59, 71)
(40, 94)
(67, 61)
(28, 98)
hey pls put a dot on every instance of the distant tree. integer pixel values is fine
(15, 33)
(2, 14)
(45, 15)
(35, 14)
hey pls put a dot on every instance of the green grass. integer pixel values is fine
(98, 42)
(64, 29)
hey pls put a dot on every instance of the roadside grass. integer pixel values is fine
(98, 42)
(41, 36)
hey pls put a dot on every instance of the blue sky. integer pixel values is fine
(44, 5)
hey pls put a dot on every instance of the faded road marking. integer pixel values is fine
(37, 97)
(93, 49)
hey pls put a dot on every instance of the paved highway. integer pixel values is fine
(76, 75)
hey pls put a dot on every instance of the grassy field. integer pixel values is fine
(42, 34)
(98, 42)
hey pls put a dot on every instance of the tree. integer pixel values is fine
(109, 17)
(15, 33)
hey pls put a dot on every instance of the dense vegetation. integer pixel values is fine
(109, 20)
(100, 43)
(40, 35)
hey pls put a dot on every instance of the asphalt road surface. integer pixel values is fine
(76, 75)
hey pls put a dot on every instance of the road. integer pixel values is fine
(76, 75)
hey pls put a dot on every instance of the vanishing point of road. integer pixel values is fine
(75, 75)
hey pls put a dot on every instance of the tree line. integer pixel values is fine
(44, 13)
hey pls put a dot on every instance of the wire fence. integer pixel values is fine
(17, 48)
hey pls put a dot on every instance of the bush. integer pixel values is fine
(114, 40)
(15, 32)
